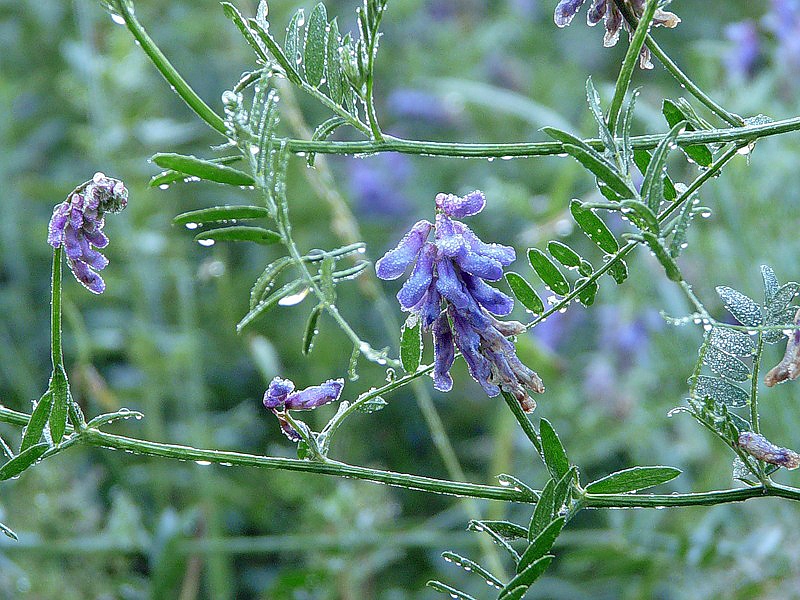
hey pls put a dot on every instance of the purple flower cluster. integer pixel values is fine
(77, 224)
(281, 396)
(447, 292)
(613, 20)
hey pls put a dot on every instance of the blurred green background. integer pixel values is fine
(78, 96)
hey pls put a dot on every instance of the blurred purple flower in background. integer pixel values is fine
(742, 58)
(77, 225)
(376, 185)
(783, 20)
(281, 397)
(453, 269)
(419, 105)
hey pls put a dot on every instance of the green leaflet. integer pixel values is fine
(454, 593)
(633, 479)
(372, 405)
(678, 240)
(627, 121)
(593, 99)
(525, 579)
(543, 512)
(290, 67)
(618, 271)
(165, 178)
(542, 544)
(564, 254)
(240, 233)
(563, 489)
(726, 365)
(292, 43)
(411, 345)
(641, 215)
(315, 45)
(267, 278)
(587, 295)
(553, 450)
(203, 169)
(732, 342)
(234, 15)
(641, 158)
(653, 184)
(505, 529)
(548, 272)
(472, 567)
(311, 328)
(771, 283)
(22, 461)
(39, 416)
(333, 69)
(61, 399)
(721, 391)
(698, 153)
(8, 532)
(290, 288)
(656, 244)
(524, 292)
(594, 227)
(746, 311)
(220, 213)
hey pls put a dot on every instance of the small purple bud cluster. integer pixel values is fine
(281, 397)
(761, 448)
(77, 224)
(613, 20)
(453, 270)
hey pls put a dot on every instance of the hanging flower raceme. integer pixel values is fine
(447, 292)
(77, 225)
(281, 397)
(613, 20)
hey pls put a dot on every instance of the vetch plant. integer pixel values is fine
(447, 293)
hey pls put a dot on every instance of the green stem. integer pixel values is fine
(676, 72)
(369, 101)
(56, 352)
(523, 420)
(178, 83)
(754, 384)
(742, 135)
(695, 499)
(629, 64)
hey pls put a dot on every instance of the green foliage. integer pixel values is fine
(632, 480)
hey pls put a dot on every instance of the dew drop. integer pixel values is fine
(293, 299)
(206, 243)
(118, 19)
(192, 225)
(202, 463)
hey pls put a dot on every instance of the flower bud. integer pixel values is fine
(759, 447)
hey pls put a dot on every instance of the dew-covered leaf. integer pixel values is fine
(165, 178)
(315, 45)
(674, 114)
(240, 233)
(292, 43)
(220, 213)
(497, 537)
(289, 289)
(641, 158)
(515, 483)
(8, 532)
(563, 489)
(555, 457)
(333, 69)
(518, 593)
(593, 161)
(678, 241)
(780, 300)
(564, 254)
(594, 227)
(38, 420)
(746, 311)
(653, 184)
(22, 461)
(726, 365)
(542, 544)
(524, 292)
(548, 272)
(470, 566)
(593, 99)
(525, 579)
(721, 391)
(234, 15)
(543, 512)
(618, 271)
(627, 121)
(505, 529)
(732, 341)
(311, 329)
(771, 284)
(289, 67)
(787, 317)
(267, 278)
(411, 346)
(585, 268)
(203, 169)
(640, 215)
(587, 294)
(656, 244)
(633, 479)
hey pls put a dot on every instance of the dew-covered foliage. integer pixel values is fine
(307, 295)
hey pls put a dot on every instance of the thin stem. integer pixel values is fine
(754, 384)
(675, 71)
(369, 101)
(743, 135)
(629, 64)
(695, 499)
(56, 352)
(178, 83)
(523, 420)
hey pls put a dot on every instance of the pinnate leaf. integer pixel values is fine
(633, 479)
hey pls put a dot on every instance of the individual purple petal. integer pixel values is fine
(276, 393)
(460, 207)
(289, 431)
(420, 280)
(315, 396)
(448, 237)
(566, 11)
(449, 285)
(613, 23)
(91, 256)
(481, 266)
(394, 263)
(55, 230)
(443, 354)
(495, 301)
(72, 242)
(88, 278)
(468, 342)
(96, 238)
(596, 12)
(505, 255)
(429, 307)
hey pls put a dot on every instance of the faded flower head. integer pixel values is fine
(281, 397)
(77, 225)
(448, 293)
(761, 448)
(613, 20)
